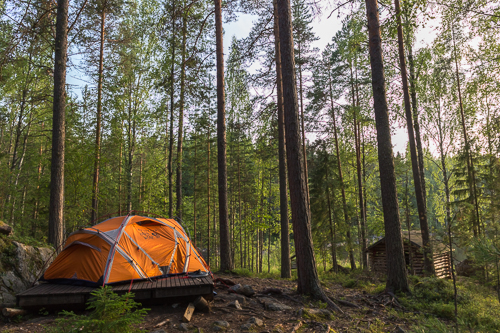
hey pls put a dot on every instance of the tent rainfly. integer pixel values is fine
(126, 248)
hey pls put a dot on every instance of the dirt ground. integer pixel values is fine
(362, 312)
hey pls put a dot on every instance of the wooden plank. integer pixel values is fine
(54, 294)
(188, 313)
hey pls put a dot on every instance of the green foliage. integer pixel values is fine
(432, 289)
(433, 298)
(111, 313)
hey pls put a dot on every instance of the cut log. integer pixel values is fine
(11, 312)
(296, 327)
(202, 305)
(189, 313)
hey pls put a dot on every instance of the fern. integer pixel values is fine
(111, 313)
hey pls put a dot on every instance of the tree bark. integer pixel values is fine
(416, 125)
(120, 157)
(131, 150)
(97, 153)
(422, 212)
(225, 246)
(304, 152)
(341, 178)
(357, 141)
(333, 235)
(171, 130)
(308, 281)
(239, 200)
(208, 196)
(194, 189)
(285, 233)
(397, 279)
(56, 205)
(178, 185)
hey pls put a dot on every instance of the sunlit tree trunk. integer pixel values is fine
(208, 196)
(285, 233)
(225, 246)
(97, 152)
(56, 204)
(417, 180)
(341, 179)
(171, 126)
(178, 185)
(397, 279)
(308, 281)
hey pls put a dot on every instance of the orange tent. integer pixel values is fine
(125, 248)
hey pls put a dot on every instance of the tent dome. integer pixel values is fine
(126, 248)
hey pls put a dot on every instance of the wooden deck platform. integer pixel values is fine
(56, 295)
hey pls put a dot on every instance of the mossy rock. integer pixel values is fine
(316, 314)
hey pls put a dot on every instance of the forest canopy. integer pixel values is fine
(143, 127)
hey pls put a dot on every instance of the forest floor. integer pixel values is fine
(360, 295)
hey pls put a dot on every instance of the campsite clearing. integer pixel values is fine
(276, 304)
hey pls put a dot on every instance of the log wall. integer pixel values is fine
(377, 260)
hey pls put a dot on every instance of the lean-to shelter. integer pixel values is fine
(126, 248)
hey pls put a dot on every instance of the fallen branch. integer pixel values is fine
(346, 303)
(292, 299)
(162, 323)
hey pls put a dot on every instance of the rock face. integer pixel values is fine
(20, 266)
(5, 229)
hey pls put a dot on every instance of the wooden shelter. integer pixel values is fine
(414, 255)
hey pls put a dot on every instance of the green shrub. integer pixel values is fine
(350, 283)
(111, 313)
(434, 289)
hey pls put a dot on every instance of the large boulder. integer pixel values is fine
(20, 266)
(467, 268)
(5, 229)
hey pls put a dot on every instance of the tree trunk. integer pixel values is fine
(335, 265)
(304, 152)
(261, 220)
(131, 149)
(397, 279)
(341, 178)
(178, 185)
(56, 205)
(120, 158)
(422, 212)
(171, 130)
(194, 190)
(470, 166)
(357, 141)
(97, 153)
(416, 125)
(285, 233)
(239, 202)
(225, 247)
(308, 281)
(408, 224)
(208, 196)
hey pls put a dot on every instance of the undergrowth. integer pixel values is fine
(110, 313)
(431, 302)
